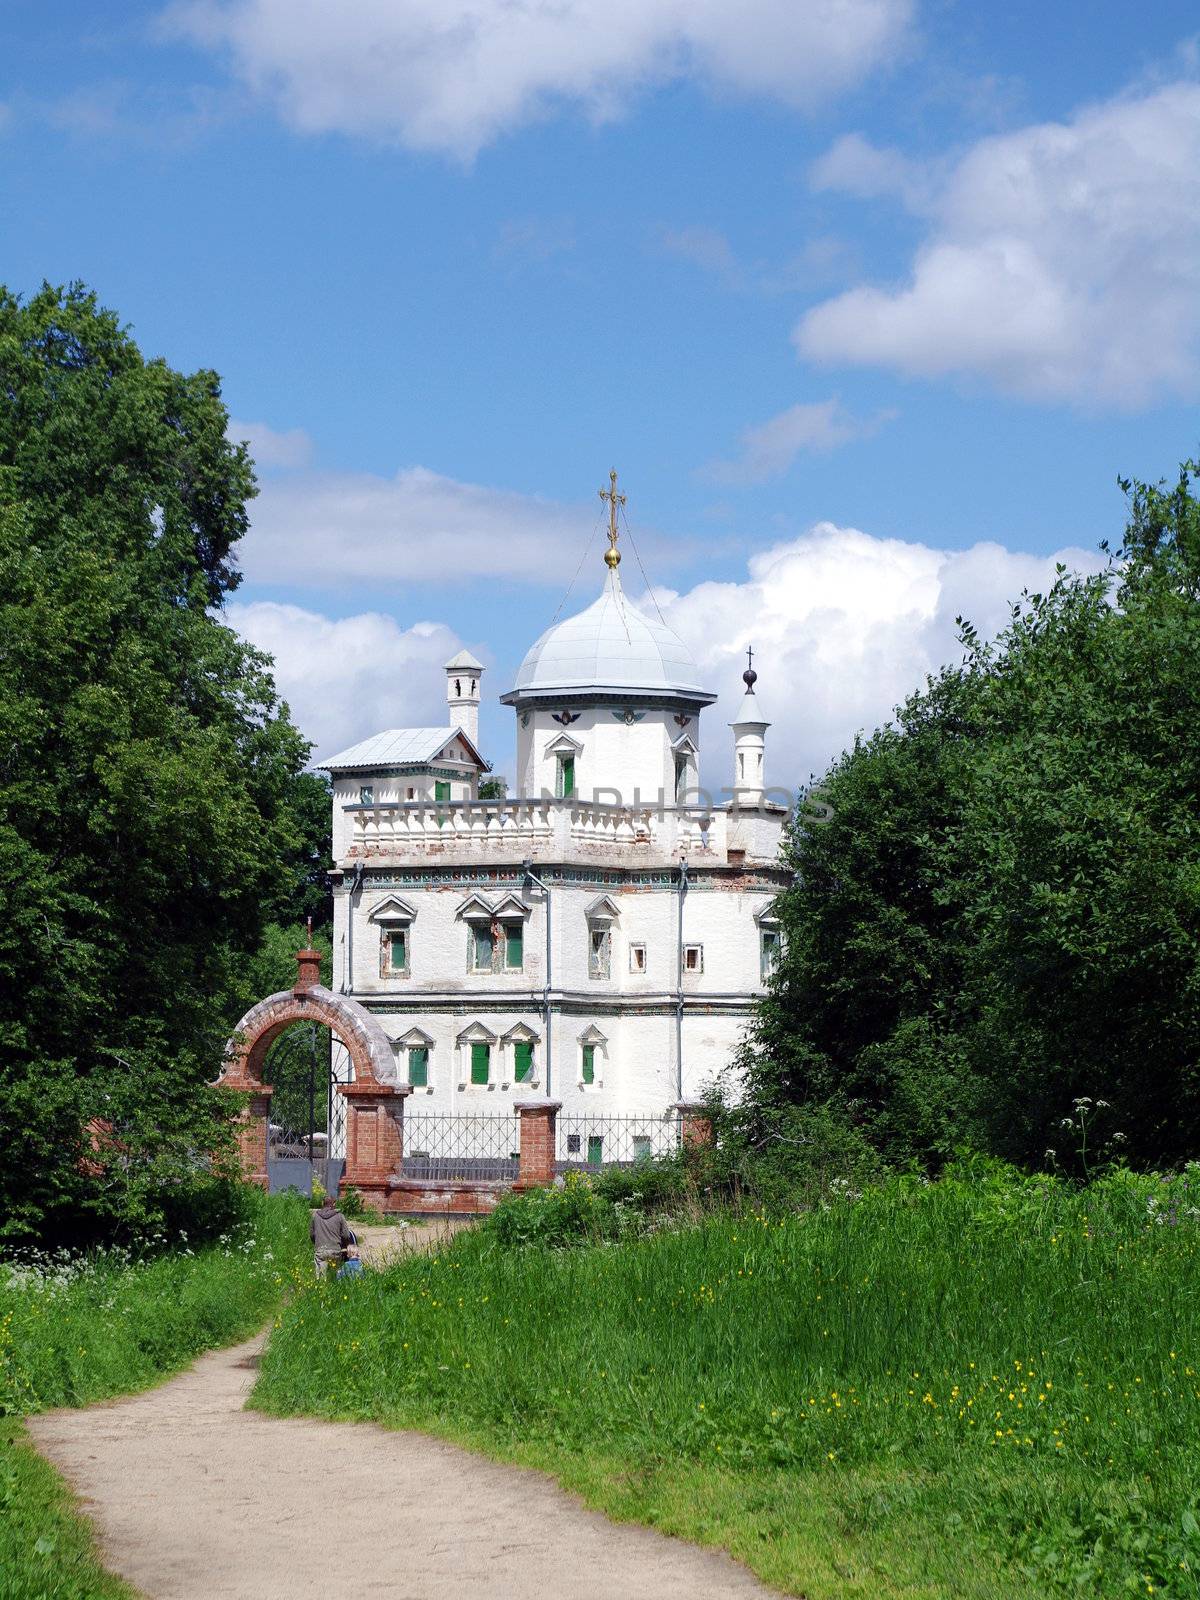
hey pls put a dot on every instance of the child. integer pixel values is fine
(352, 1266)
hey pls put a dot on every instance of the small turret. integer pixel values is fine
(748, 726)
(463, 675)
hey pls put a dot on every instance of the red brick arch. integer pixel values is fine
(374, 1131)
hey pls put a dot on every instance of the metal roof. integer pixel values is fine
(612, 645)
(398, 747)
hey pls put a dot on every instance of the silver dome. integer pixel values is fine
(610, 646)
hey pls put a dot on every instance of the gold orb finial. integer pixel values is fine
(612, 556)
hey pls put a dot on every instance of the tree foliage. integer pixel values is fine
(153, 812)
(1001, 914)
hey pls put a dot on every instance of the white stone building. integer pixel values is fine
(597, 937)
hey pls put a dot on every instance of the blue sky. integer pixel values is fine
(869, 309)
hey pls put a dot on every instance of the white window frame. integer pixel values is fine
(416, 1039)
(474, 927)
(476, 1033)
(767, 969)
(591, 1035)
(599, 962)
(522, 1033)
(394, 915)
(634, 946)
(693, 970)
(602, 917)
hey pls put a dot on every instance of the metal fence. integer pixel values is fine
(586, 1143)
(464, 1149)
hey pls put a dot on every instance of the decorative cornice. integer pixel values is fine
(565, 1005)
(729, 879)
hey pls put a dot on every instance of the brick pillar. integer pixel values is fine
(538, 1121)
(308, 970)
(374, 1137)
(695, 1124)
(253, 1134)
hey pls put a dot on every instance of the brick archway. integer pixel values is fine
(375, 1100)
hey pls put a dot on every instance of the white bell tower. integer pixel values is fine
(748, 743)
(463, 675)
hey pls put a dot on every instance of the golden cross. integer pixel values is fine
(612, 556)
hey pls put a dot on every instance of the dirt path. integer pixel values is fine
(195, 1498)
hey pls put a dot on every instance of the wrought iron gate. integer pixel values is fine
(306, 1137)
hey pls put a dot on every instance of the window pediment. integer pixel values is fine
(592, 1035)
(563, 745)
(475, 908)
(605, 909)
(685, 746)
(510, 906)
(415, 1039)
(476, 1033)
(521, 1033)
(393, 909)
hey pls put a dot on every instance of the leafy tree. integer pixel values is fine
(153, 812)
(1002, 915)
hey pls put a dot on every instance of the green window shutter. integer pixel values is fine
(481, 1062)
(418, 1067)
(589, 1063)
(441, 789)
(398, 951)
(595, 1153)
(523, 1060)
(567, 776)
(483, 946)
(514, 945)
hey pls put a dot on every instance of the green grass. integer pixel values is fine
(47, 1550)
(74, 1330)
(83, 1329)
(985, 1387)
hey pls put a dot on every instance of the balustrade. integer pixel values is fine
(538, 829)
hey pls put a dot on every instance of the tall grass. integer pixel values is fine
(79, 1328)
(76, 1329)
(989, 1365)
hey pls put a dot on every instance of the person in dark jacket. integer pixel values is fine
(330, 1234)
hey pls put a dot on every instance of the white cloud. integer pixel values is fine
(317, 529)
(271, 448)
(853, 165)
(452, 75)
(1062, 261)
(844, 626)
(347, 678)
(768, 450)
